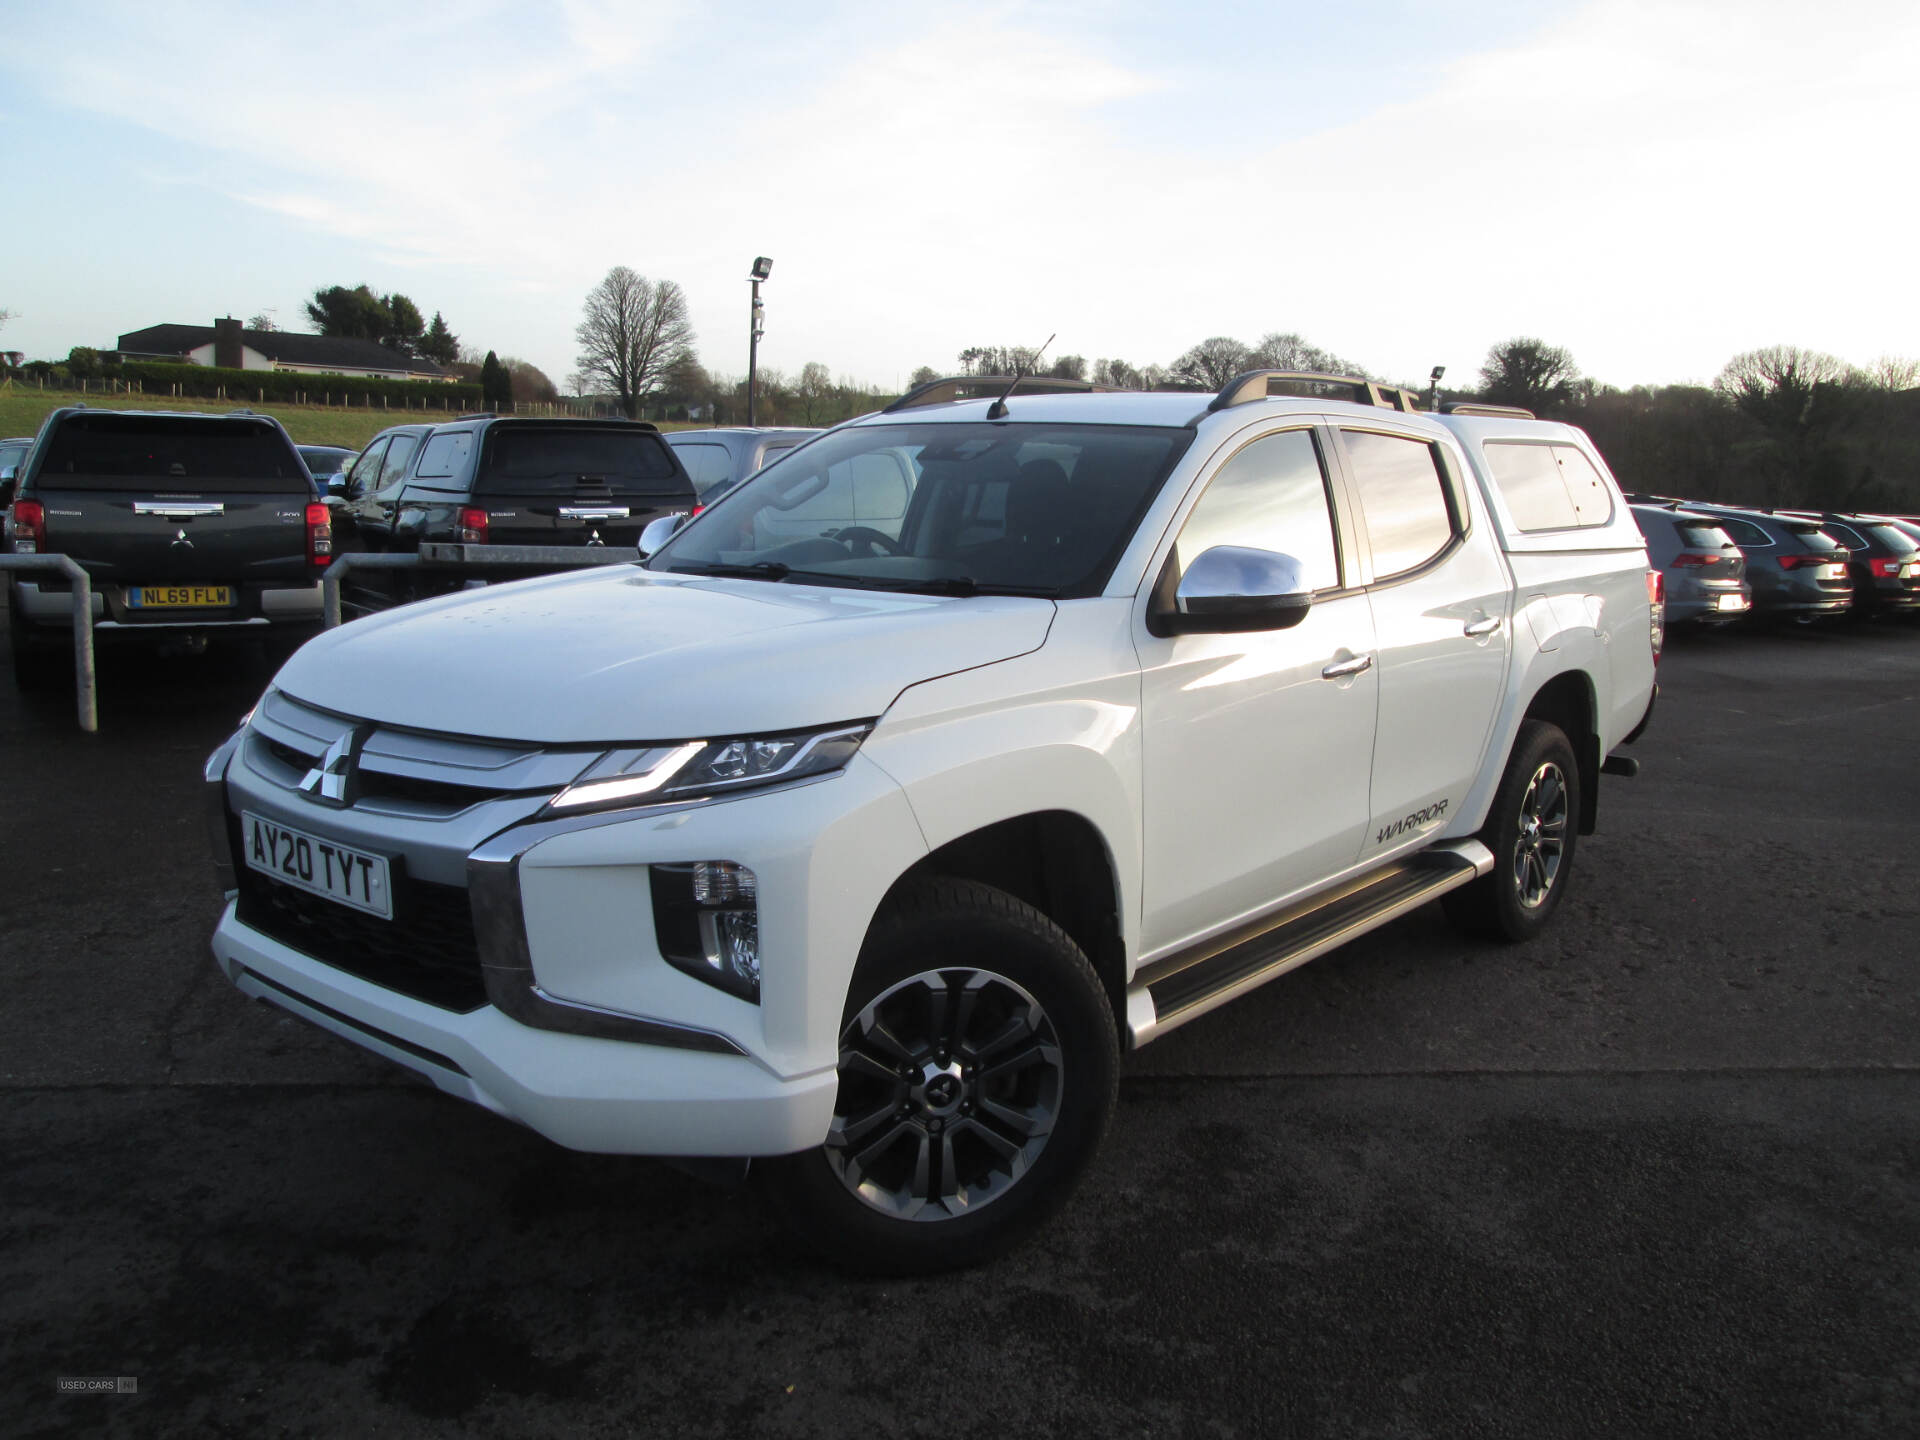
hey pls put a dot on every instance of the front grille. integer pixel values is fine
(427, 951)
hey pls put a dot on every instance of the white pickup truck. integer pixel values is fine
(859, 831)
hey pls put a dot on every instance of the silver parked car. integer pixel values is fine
(1705, 571)
(720, 459)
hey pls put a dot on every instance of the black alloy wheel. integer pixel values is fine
(1532, 829)
(979, 1065)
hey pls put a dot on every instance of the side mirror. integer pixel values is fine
(1231, 589)
(337, 485)
(658, 532)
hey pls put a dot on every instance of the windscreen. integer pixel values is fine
(1891, 536)
(1039, 509)
(1813, 537)
(171, 453)
(1703, 537)
(566, 459)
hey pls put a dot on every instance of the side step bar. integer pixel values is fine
(1184, 987)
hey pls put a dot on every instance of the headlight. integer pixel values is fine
(650, 775)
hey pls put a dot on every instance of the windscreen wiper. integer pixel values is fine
(758, 570)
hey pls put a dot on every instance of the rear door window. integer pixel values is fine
(171, 453)
(560, 460)
(1403, 499)
(393, 469)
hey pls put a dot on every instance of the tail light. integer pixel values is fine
(1687, 561)
(473, 525)
(1886, 569)
(1657, 610)
(29, 528)
(1811, 558)
(695, 511)
(319, 536)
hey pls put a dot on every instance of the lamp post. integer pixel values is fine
(756, 327)
(1433, 387)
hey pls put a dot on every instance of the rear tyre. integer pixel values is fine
(979, 1065)
(1532, 830)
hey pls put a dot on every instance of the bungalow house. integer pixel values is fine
(227, 344)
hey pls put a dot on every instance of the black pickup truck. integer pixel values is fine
(191, 526)
(503, 480)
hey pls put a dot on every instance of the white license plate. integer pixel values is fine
(1733, 602)
(356, 878)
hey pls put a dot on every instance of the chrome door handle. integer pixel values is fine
(1484, 627)
(1340, 669)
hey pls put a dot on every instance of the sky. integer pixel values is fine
(1656, 185)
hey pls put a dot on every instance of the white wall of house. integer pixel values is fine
(252, 359)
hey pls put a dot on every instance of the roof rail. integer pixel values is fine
(1494, 412)
(479, 415)
(981, 387)
(1258, 385)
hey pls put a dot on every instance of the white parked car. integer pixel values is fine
(861, 829)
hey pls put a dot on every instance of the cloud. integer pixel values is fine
(1650, 184)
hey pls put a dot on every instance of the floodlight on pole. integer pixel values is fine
(756, 327)
(1433, 387)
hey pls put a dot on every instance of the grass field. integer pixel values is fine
(22, 408)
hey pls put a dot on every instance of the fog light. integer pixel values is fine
(721, 882)
(706, 923)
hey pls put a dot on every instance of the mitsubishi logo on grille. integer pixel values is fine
(180, 538)
(331, 780)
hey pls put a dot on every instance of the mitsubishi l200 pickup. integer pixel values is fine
(855, 834)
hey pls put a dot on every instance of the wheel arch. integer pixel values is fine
(1569, 701)
(1058, 862)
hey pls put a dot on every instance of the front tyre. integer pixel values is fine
(979, 1064)
(1531, 829)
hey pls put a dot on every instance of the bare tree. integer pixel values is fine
(1212, 363)
(263, 321)
(923, 375)
(1289, 351)
(1894, 372)
(633, 331)
(1530, 373)
(814, 389)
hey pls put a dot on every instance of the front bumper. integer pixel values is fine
(588, 1036)
(607, 1096)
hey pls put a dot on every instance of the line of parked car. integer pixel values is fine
(196, 527)
(1726, 563)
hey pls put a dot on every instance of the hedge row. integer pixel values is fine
(210, 382)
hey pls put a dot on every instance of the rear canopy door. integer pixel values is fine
(146, 499)
(575, 484)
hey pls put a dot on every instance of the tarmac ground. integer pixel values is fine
(1656, 1173)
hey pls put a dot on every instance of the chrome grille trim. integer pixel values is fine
(404, 772)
